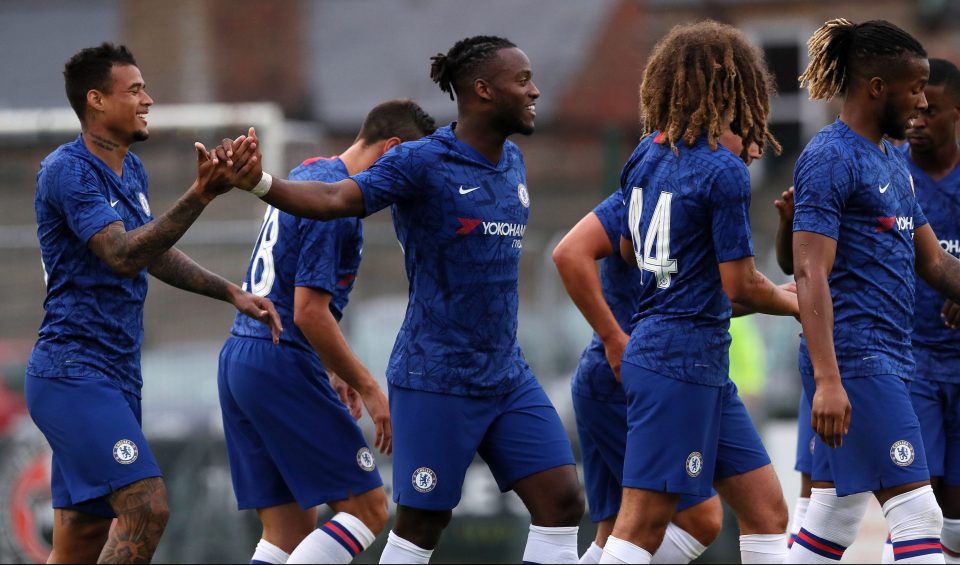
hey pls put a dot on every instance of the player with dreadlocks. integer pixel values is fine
(858, 236)
(703, 104)
(459, 385)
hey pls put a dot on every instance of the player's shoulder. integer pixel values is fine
(65, 165)
(324, 169)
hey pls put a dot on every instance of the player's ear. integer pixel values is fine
(389, 144)
(95, 99)
(482, 89)
(876, 87)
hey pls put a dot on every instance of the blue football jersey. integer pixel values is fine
(93, 317)
(461, 221)
(293, 251)
(619, 280)
(935, 346)
(687, 213)
(851, 190)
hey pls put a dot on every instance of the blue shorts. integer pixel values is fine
(602, 427)
(937, 405)
(289, 437)
(435, 437)
(94, 431)
(684, 436)
(806, 437)
(883, 448)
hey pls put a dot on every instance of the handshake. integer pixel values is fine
(233, 163)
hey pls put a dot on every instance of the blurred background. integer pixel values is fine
(305, 73)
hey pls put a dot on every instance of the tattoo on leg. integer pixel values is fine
(141, 517)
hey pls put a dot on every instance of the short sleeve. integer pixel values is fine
(319, 254)
(823, 182)
(390, 180)
(76, 191)
(610, 212)
(730, 213)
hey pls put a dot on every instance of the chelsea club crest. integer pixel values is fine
(365, 460)
(125, 452)
(523, 195)
(424, 479)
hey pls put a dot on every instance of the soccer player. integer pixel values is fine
(607, 299)
(459, 385)
(98, 240)
(688, 220)
(933, 160)
(277, 401)
(859, 234)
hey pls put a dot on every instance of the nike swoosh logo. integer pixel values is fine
(468, 190)
(883, 188)
(113, 204)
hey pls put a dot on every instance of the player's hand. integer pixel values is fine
(613, 348)
(379, 410)
(785, 205)
(951, 314)
(830, 416)
(259, 308)
(349, 397)
(247, 166)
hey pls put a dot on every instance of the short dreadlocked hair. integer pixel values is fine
(841, 51)
(459, 67)
(702, 78)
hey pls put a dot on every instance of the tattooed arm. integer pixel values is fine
(128, 253)
(937, 267)
(175, 268)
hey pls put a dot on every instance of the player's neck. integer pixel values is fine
(358, 157)
(862, 120)
(477, 133)
(106, 148)
(939, 162)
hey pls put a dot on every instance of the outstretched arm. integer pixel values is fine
(814, 256)
(128, 253)
(784, 240)
(311, 313)
(576, 259)
(751, 291)
(175, 268)
(307, 199)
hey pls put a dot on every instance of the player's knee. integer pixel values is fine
(703, 526)
(566, 508)
(771, 518)
(376, 515)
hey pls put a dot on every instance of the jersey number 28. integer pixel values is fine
(262, 272)
(660, 264)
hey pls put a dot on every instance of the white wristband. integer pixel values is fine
(262, 187)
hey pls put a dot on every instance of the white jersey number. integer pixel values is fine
(262, 273)
(660, 264)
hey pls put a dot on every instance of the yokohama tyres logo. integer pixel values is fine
(504, 229)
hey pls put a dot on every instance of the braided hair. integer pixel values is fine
(702, 78)
(460, 65)
(842, 50)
